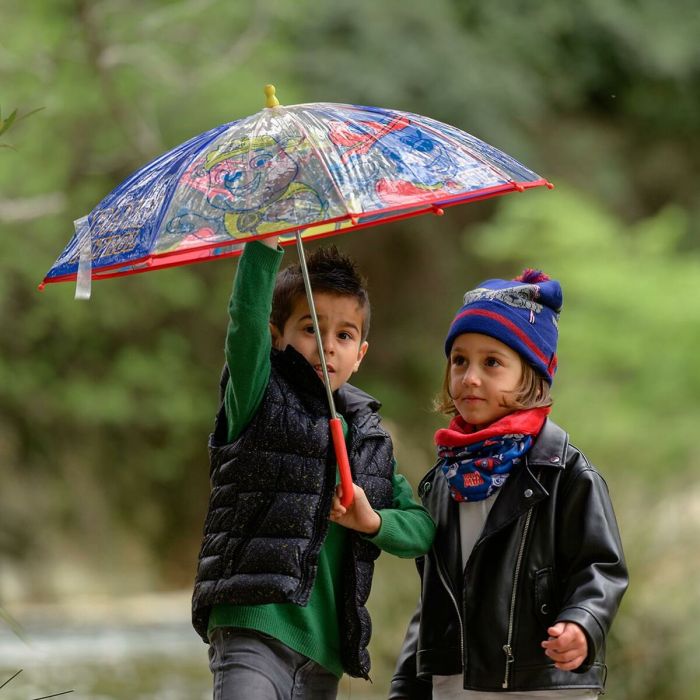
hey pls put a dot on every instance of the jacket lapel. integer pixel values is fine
(523, 489)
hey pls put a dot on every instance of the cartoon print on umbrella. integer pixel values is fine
(248, 187)
(427, 160)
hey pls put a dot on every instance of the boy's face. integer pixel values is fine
(340, 320)
(483, 372)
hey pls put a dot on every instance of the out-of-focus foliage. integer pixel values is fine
(105, 406)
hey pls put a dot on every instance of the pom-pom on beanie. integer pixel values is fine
(522, 313)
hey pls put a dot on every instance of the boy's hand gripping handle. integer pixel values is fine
(341, 454)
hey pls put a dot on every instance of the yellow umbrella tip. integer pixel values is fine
(270, 99)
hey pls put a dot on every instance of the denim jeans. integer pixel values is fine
(250, 665)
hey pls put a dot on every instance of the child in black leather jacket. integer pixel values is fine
(526, 571)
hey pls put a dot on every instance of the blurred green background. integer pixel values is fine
(105, 406)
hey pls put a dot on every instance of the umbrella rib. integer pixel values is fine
(196, 145)
(319, 155)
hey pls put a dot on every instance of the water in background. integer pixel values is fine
(140, 648)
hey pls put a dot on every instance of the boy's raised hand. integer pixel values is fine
(359, 515)
(567, 645)
(270, 241)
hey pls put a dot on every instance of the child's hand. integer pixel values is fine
(358, 516)
(567, 645)
(270, 241)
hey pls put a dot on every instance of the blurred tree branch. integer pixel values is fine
(29, 208)
(249, 39)
(140, 135)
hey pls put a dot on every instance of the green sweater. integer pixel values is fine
(406, 530)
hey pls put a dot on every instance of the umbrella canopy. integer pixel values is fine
(298, 172)
(318, 168)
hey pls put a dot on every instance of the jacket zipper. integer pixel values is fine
(507, 647)
(454, 602)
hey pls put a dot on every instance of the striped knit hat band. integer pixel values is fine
(522, 313)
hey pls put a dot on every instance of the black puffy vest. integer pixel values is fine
(271, 492)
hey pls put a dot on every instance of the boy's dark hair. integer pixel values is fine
(330, 271)
(532, 392)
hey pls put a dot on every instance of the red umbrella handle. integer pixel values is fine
(341, 454)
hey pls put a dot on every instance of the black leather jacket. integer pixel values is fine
(550, 550)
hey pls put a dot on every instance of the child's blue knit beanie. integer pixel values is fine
(522, 313)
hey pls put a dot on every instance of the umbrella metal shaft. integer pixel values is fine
(335, 424)
(314, 320)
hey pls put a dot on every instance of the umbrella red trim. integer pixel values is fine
(195, 255)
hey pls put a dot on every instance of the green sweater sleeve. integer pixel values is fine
(407, 530)
(248, 340)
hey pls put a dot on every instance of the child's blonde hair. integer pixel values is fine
(533, 391)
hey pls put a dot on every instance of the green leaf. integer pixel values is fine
(5, 124)
(29, 114)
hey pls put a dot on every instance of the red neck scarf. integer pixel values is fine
(459, 432)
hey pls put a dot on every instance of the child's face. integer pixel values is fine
(482, 372)
(340, 320)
